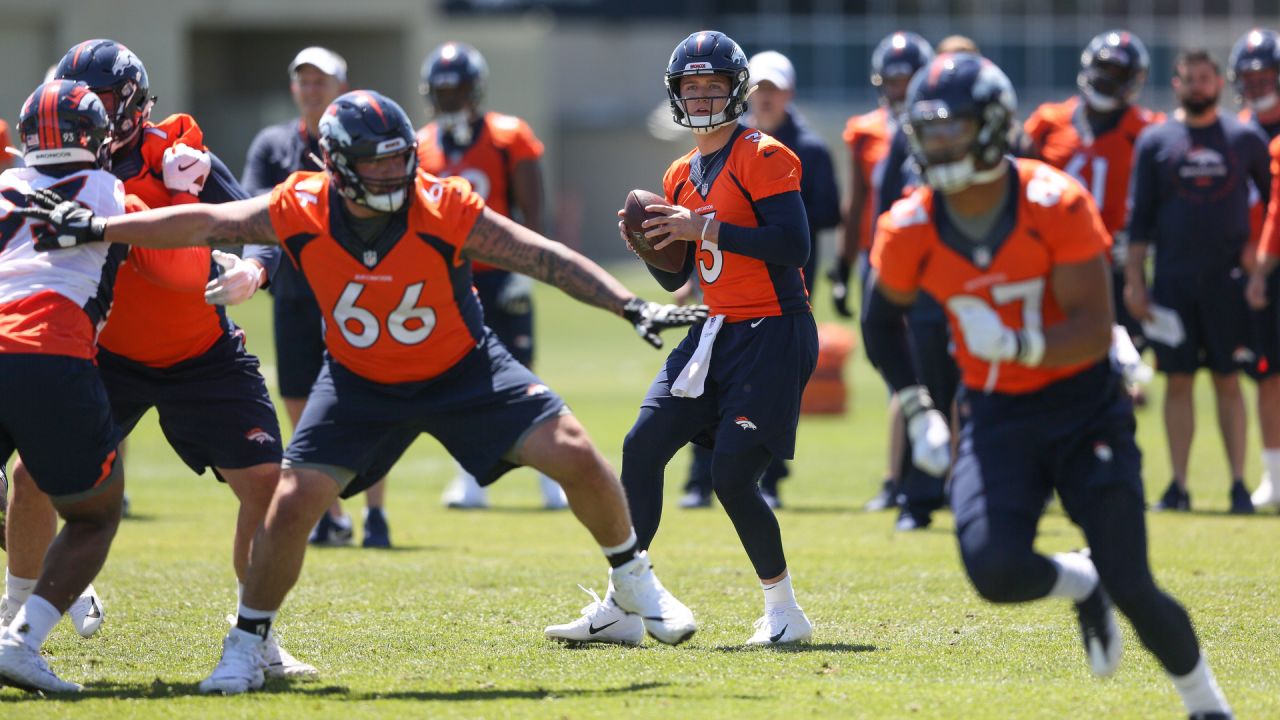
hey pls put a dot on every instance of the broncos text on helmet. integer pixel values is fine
(64, 122)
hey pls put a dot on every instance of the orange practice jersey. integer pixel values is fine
(503, 142)
(402, 310)
(737, 286)
(5, 142)
(1269, 242)
(1060, 135)
(154, 322)
(1056, 223)
(868, 139)
(1257, 211)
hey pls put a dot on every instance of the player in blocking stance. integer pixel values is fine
(55, 410)
(734, 383)
(1016, 253)
(387, 250)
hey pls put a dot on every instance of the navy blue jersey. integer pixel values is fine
(1190, 192)
(277, 152)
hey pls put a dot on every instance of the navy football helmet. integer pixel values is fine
(1256, 50)
(1113, 68)
(64, 122)
(708, 52)
(959, 117)
(454, 65)
(366, 125)
(899, 55)
(119, 79)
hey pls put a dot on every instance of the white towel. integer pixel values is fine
(694, 374)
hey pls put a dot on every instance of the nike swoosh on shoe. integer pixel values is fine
(593, 629)
(776, 638)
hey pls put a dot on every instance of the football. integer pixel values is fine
(671, 258)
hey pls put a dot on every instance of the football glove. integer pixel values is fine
(185, 168)
(928, 429)
(516, 295)
(238, 279)
(651, 318)
(61, 223)
(987, 337)
(838, 274)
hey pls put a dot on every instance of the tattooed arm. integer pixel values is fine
(243, 222)
(502, 242)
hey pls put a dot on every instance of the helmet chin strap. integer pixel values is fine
(385, 202)
(1098, 101)
(1266, 103)
(953, 177)
(458, 125)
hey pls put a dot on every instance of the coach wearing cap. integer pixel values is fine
(317, 76)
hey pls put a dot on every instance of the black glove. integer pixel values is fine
(650, 318)
(838, 274)
(60, 223)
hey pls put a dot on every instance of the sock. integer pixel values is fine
(34, 621)
(623, 553)
(1271, 461)
(19, 589)
(1200, 692)
(257, 622)
(1077, 577)
(779, 595)
(239, 593)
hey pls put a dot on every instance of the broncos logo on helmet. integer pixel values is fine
(118, 77)
(1253, 55)
(64, 122)
(364, 125)
(708, 52)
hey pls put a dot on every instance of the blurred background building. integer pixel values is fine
(587, 74)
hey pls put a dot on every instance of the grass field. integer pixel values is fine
(449, 623)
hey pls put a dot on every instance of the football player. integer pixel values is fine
(734, 383)
(7, 151)
(317, 76)
(1016, 252)
(55, 410)
(501, 158)
(1090, 136)
(894, 61)
(387, 249)
(1254, 70)
(1192, 178)
(165, 346)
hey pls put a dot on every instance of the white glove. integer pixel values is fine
(516, 294)
(928, 429)
(987, 337)
(238, 279)
(1127, 360)
(186, 168)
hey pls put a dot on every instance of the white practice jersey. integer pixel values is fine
(55, 302)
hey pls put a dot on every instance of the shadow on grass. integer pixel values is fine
(800, 648)
(159, 690)
(378, 550)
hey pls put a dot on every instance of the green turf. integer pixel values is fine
(449, 624)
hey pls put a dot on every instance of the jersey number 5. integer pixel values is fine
(710, 272)
(361, 327)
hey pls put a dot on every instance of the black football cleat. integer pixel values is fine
(1174, 499)
(1241, 503)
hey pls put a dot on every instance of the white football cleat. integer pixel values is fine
(240, 668)
(464, 493)
(87, 612)
(602, 622)
(553, 497)
(1103, 643)
(278, 662)
(1265, 496)
(779, 627)
(23, 667)
(637, 590)
(8, 610)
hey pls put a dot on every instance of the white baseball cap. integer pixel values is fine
(322, 59)
(774, 67)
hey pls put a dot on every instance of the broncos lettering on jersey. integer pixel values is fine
(501, 143)
(54, 303)
(1061, 137)
(756, 167)
(1051, 221)
(401, 310)
(868, 139)
(154, 323)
